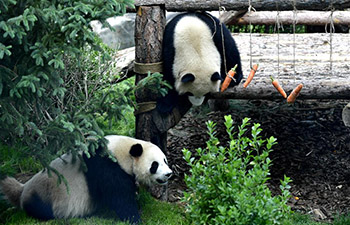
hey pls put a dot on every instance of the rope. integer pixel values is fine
(331, 31)
(277, 26)
(221, 8)
(250, 8)
(144, 68)
(214, 23)
(143, 107)
(294, 24)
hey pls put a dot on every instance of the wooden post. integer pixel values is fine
(152, 125)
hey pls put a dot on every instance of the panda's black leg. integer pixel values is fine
(37, 208)
(127, 211)
(167, 103)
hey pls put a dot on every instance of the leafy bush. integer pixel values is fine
(228, 184)
(44, 104)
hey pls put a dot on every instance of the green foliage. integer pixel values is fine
(50, 90)
(154, 85)
(124, 125)
(227, 185)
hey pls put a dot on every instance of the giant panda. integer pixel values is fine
(194, 58)
(105, 184)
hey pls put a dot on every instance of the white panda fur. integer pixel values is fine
(193, 58)
(104, 182)
(195, 54)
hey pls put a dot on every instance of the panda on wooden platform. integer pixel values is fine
(104, 184)
(194, 56)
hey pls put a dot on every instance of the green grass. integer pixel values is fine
(300, 219)
(153, 212)
(14, 160)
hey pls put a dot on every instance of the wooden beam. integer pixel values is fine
(260, 5)
(313, 89)
(286, 17)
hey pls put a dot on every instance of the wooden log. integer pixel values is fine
(313, 89)
(260, 5)
(286, 17)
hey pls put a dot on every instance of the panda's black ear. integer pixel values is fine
(188, 77)
(215, 77)
(136, 150)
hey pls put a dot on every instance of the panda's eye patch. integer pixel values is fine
(189, 77)
(154, 167)
(215, 77)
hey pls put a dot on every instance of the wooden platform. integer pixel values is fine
(312, 66)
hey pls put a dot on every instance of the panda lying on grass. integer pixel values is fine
(104, 184)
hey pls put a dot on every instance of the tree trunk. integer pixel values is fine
(260, 5)
(286, 17)
(149, 27)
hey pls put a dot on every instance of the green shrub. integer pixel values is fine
(227, 185)
(45, 105)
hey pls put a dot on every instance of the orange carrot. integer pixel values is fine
(294, 94)
(251, 75)
(230, 74)
(278, 87)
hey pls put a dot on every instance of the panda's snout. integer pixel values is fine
(168, 175)
(164, 179)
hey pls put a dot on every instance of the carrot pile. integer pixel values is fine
(294, 94)
(251, 75)
(230, 74)
(278, 87)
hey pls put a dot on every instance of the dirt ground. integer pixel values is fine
(313, 150)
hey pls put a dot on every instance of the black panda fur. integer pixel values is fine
(110, 186)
